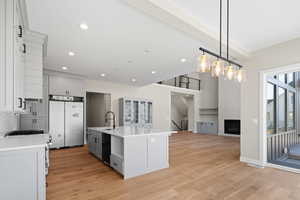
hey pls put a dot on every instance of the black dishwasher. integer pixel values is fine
(106, 151)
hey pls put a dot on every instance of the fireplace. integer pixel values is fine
(232, 127)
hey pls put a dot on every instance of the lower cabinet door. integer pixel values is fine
(22, 175)
(135, 156)
(90, 142)
(157, 152)
(99, 146)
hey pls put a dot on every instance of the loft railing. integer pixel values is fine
(276, 143)
(183, 81)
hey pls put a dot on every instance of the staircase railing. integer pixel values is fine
(276, 143)
(183, 81)
(177, 126)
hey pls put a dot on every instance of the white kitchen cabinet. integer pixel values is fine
(59, 85)
(157, 151)
(19, 63)
(13, 54)
(136, 112)
(33, 74)
(7, 40)
(22, 174)
(135, 156)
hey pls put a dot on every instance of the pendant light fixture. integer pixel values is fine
(203, 64)
(231, 70)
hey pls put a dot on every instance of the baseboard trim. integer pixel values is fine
(252, 162)
(289, 169)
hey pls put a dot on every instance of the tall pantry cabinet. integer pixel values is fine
(19, 61)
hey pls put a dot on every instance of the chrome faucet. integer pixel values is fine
(113, 118)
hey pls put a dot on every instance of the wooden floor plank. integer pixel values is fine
(201, 167)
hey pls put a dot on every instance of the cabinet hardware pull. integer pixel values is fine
(20, 31)
(24, 48)
(20, 102)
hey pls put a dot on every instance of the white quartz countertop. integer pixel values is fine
(23, 142)
(130, 131)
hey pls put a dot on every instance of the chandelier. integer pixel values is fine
(221, 66)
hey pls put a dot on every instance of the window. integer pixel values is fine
(281, 77)
(291, 111)
(281, 109)
(291, 79)
(281, 94)
(270, 108)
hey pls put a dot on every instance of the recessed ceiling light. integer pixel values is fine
(64, 68)
(133, 80)
(183, 60)
(153, 72)
(84, 26)
(71, 53)
(103, 75)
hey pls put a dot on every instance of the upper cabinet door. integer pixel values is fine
(7, 55)
(19, 64)
(65, 86)
(33, 75)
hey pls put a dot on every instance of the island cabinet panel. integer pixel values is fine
(95, 144)
(158, 152)
(135, 156)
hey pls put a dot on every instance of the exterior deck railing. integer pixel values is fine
(276, 143)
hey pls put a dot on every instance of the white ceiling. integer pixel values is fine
(119, 33)
(254, 24)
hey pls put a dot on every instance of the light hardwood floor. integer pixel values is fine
(201, 167)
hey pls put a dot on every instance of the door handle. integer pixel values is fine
(25, 106)
(24, 48)
(20, 102)
(20, 31)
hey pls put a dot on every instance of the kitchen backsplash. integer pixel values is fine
(8, 122)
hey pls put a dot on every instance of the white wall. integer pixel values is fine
(8, 122)
(276, 56)
(160, 94)
(209, 91)
(229, 101)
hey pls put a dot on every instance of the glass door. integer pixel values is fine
(135, 111)
(128, 112)
(143, 113)
(149, 113)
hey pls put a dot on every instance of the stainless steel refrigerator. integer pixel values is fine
(66, 121)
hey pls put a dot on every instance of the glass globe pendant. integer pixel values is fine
(230, 72)
(240, 75)
(203, 64)
(217, 68)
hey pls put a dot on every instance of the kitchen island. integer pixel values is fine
(131, 151)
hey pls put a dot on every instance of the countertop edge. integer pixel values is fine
(126, 136)
(22, 147)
